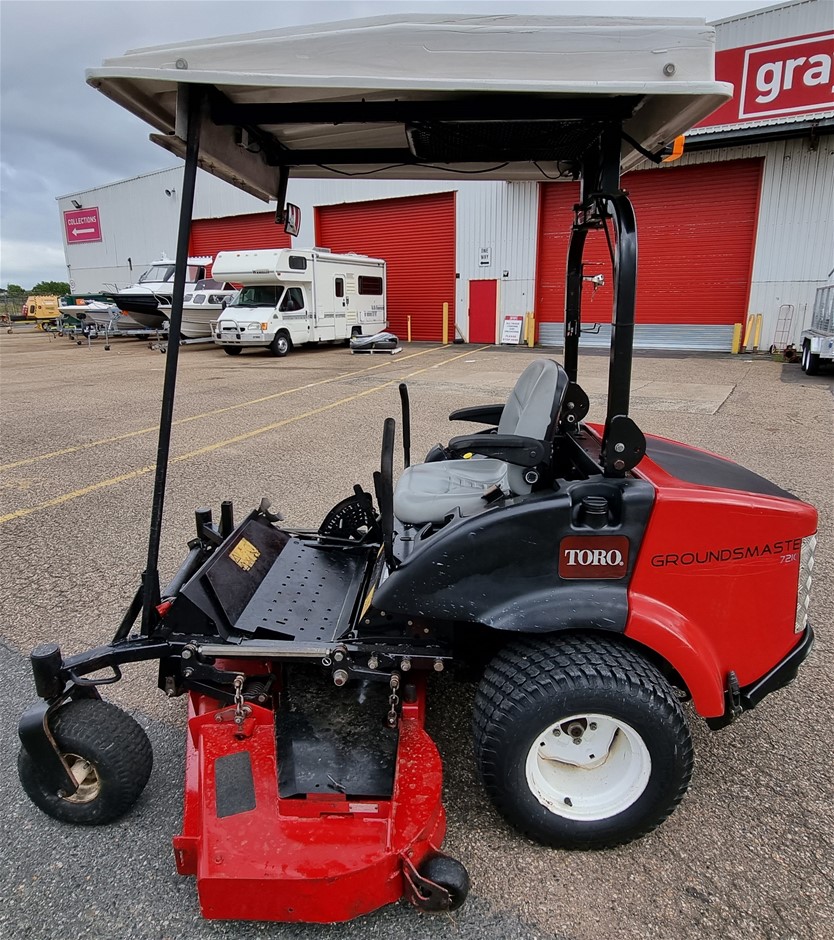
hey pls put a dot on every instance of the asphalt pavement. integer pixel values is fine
(748, 854)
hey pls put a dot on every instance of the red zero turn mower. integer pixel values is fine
(595, 576)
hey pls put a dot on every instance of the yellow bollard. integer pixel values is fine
(758, 334)
(409, 328)
(736, 339)
(531, 330)
(445, 324)
(748, 329)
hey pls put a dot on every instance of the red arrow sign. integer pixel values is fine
(82, 225)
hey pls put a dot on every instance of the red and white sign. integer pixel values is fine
(790, 77)
(82, 225)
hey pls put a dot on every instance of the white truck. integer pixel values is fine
(818, 341)
(291, 296)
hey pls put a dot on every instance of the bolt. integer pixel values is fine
(261, 698)
(593, 726)
(338, 656)
(188, 672)
(577, 740)
(181, 64)
(438, 665)
(410, 623)
(218, 717)
(557, 732)
(373, 662)
(568, 801)
(619, 465)
(669, 69)
(405, 665)
(340, 677)
(619, 448)
(186, 654)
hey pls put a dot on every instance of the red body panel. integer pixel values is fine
(715, 585)
(322, 859)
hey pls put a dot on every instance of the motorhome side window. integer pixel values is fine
(340, 287)
(298, 263)
(293, 300)
(370, 285)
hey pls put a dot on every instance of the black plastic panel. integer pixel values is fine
(500, 568)
(695, 466)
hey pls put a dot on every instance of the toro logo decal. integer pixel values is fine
(588, 556)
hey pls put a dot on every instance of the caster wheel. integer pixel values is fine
(109, 755)
(447, 873)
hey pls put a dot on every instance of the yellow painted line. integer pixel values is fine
(237, 439)
(209, 414)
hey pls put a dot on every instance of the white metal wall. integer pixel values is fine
(775, 22)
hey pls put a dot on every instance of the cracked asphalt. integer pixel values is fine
(748, 854)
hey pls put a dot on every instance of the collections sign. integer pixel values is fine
(789, 77)
(82, 225)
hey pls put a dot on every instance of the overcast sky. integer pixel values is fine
(58, 135)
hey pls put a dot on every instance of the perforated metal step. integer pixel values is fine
(309, 594)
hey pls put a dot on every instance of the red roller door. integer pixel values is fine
(696, 230)
(415, 235)
(208, 236)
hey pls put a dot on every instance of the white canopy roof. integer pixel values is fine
(424, 96)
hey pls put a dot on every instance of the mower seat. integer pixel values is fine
(503, 461)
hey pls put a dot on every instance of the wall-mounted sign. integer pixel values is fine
(484, 257)
(791, 76)
(292, 219)
(82, 225)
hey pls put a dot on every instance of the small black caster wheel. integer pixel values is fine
(449, 874)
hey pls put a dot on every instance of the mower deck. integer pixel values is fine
(320, 856)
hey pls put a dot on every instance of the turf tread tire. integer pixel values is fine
(90, 728)
(528, 672)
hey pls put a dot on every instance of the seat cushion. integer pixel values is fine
(428, 492)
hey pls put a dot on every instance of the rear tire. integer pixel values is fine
(112, 752)
(281, 344)
(233, 350)
(580, 742)
(810, 361)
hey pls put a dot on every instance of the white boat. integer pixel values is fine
(104, 316)
(149, 299)
(203, 306)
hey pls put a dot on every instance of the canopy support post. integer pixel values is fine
(192, 95)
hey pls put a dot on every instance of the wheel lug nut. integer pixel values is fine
(557, 732)
(593, 726)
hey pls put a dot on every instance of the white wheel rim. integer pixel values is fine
(587, 767)
(86, 776)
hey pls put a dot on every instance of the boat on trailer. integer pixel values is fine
(148, 301)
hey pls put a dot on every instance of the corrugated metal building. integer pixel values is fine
(742, 223)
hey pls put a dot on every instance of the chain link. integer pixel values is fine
(393, 701)
(240, 714)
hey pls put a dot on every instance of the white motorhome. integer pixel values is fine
(291, 296)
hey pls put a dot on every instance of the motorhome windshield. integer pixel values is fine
(265, 296)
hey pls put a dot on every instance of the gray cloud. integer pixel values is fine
(58, 136)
